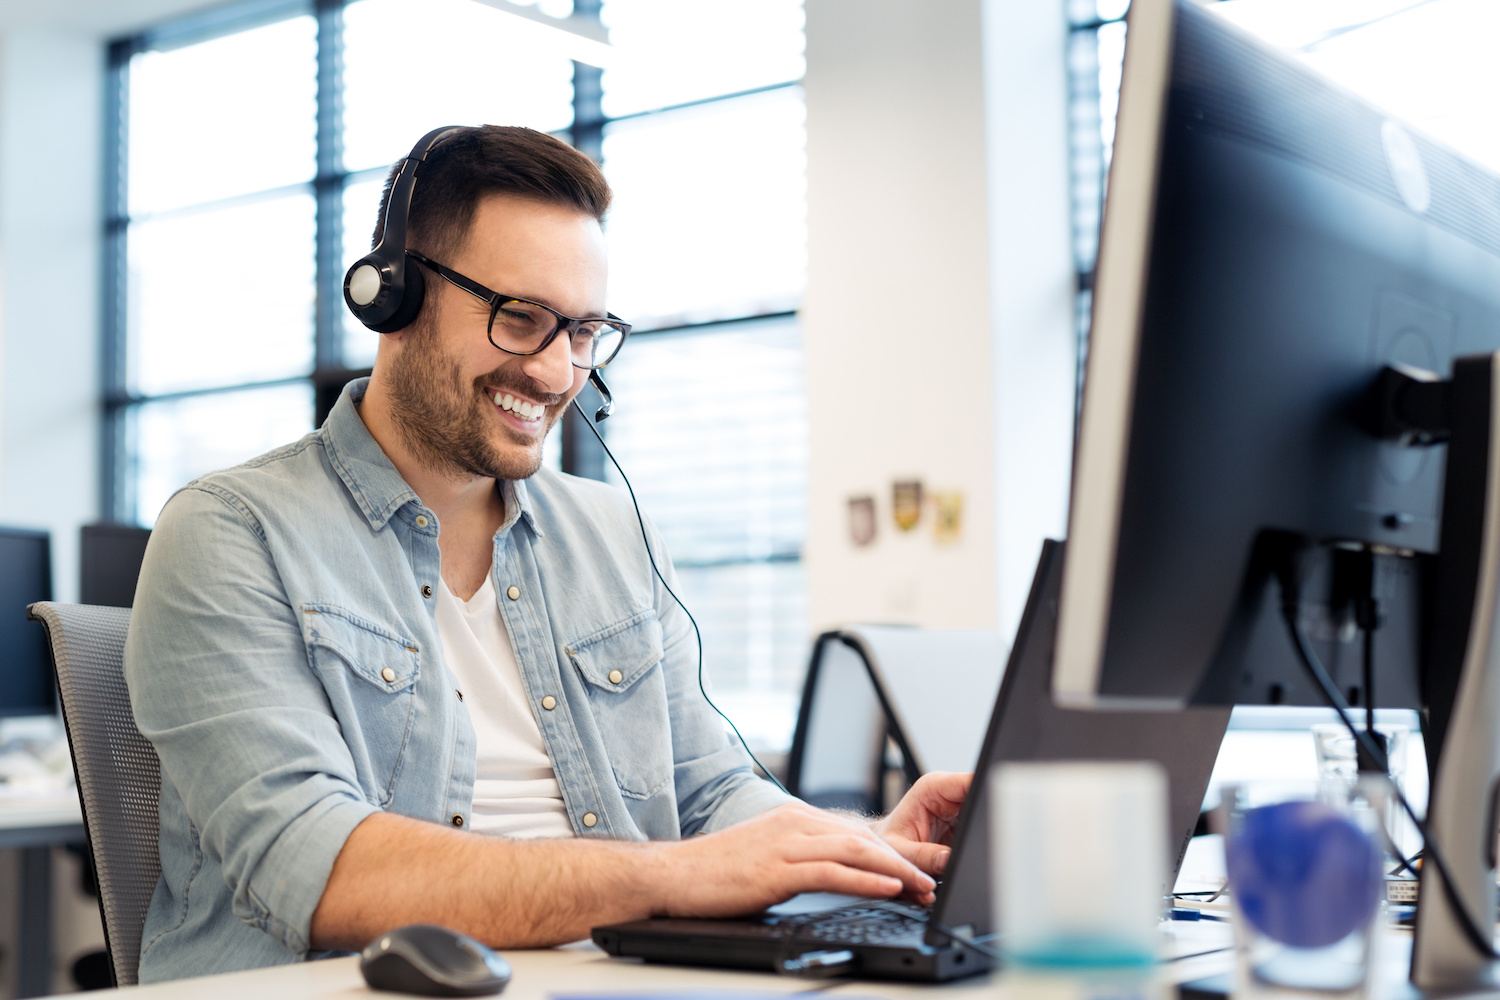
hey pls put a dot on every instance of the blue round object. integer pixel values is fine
(1303, 874)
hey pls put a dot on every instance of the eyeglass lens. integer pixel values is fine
(521, 327)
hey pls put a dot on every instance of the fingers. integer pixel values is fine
(790, 850)
(865, 853)
(930, 858)
(929, 810)
(943, 792)
(830, 876)
(821, 836)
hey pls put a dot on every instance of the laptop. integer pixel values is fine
(953, 938)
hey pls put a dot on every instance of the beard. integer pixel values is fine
(441, 416)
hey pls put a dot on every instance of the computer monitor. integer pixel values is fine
(1246, 500)
(111, 557)
(26, 686)
(1270, 241)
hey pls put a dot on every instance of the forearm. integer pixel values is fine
(507, 893)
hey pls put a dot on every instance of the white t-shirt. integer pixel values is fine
(515, 789)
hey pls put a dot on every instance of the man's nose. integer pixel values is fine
(553, 366)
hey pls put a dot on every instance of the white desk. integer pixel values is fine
(35, 824)
(583, 969)
(40, 820)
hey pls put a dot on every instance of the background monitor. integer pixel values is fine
(26, 686)
(1270, 242)
(111, 556)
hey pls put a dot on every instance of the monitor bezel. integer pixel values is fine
(1102, 450)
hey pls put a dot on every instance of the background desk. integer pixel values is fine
(583, 969)
(36, 824)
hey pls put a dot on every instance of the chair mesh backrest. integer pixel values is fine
(119, 776)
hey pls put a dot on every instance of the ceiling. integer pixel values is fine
(98, 18)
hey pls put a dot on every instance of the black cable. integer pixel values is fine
(641, 520)
(1406, 865)
(1197, 954)
(1212, 894)
(1289, 599)
(925, 918)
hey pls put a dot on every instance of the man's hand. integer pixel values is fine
(920, 828)
(768, 859)
(523, 894)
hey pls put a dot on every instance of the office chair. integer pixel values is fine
(119, 776)
(928, 691)
(838, 755)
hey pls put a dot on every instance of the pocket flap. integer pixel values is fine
(631, 646)
(385, 658)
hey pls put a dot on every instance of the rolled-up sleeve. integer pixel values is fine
(221, 686)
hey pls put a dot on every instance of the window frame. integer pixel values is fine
(581, 454)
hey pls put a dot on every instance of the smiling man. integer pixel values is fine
(397, 672)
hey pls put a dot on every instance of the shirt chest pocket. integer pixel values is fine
(621, 669)
(370, 674)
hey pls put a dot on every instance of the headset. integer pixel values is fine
(384, 290)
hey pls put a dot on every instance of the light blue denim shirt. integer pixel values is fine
(284, 661)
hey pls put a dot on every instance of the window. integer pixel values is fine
(1428, 61)
(703, 138)
(237, 209)
(727, 489)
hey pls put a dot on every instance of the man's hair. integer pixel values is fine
(491, 159)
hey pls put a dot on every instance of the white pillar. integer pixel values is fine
(938, 310)
(51, 182)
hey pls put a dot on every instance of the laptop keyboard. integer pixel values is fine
(851, 925)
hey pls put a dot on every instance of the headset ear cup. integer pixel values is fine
(411, 300)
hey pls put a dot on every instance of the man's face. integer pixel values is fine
(460, 404)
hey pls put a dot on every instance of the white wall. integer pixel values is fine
(51, 179)
(938, 316)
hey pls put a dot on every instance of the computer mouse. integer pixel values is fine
(432, 961)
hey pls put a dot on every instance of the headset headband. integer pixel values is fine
(383, 289)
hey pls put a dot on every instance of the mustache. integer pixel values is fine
(519, 384)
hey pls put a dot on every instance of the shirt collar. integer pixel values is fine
(518, 505)
(373, 481)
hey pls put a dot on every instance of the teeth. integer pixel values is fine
(521, 408)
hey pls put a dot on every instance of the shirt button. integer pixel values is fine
(459, 693)
(590, 820)
(549, 703)
(388, 674)
(426, 590)
(615, 677)
(514, 593)
(457, 820)
(421, 521)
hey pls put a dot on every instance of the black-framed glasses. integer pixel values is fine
(522, 327)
